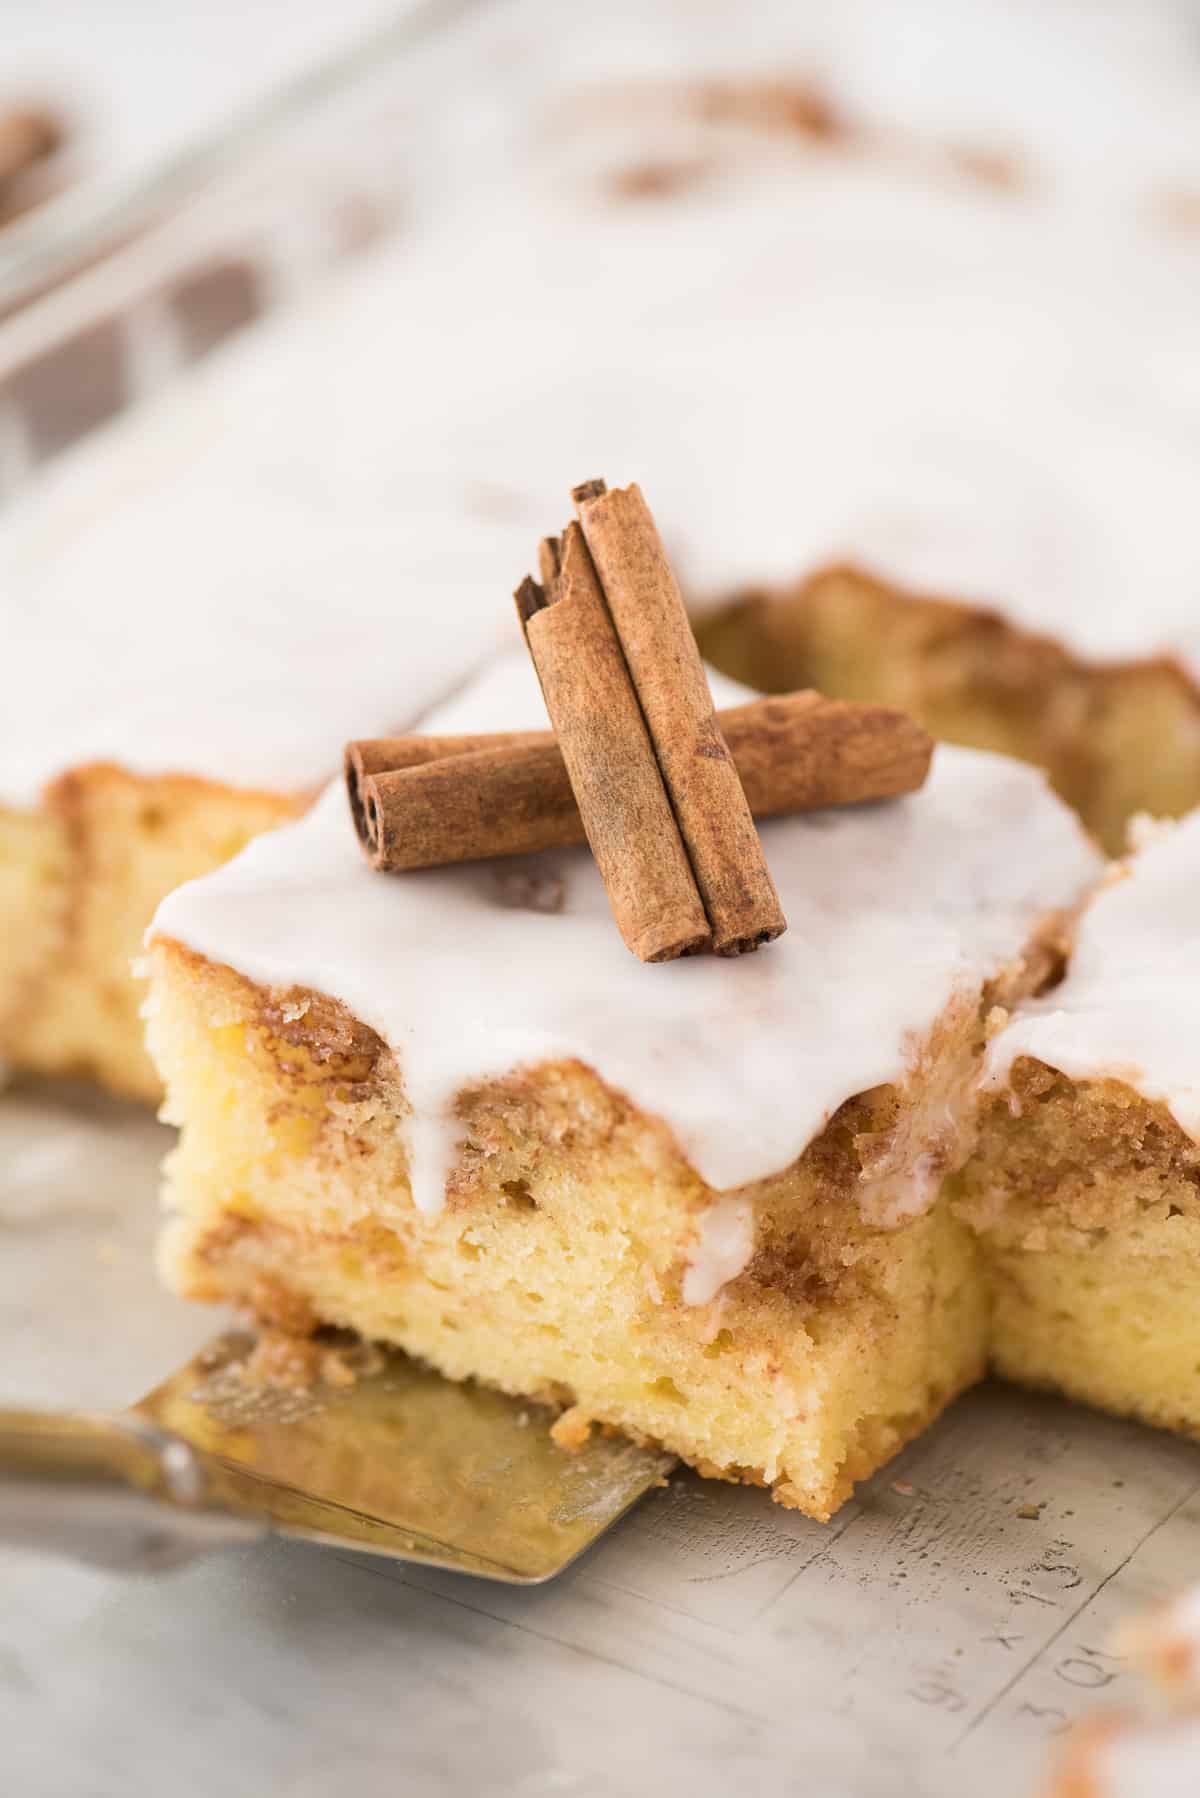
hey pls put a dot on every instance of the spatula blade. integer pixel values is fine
(403, 1463)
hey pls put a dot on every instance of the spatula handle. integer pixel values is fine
(113, 1492)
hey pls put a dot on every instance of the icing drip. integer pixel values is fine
(894, 911)
(724, 1245)
(433, 1137)
(902, 1170)
(1126, 1008)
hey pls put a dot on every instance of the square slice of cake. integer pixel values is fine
(1085, 1191)
(698, 1201)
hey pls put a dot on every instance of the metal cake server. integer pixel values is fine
(401, 1463)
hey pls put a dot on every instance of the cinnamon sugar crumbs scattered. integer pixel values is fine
(905, 1488)
(521, 888)
(279, 1308)
(1177, 1661)
(793, 105)
(1177, 209)
(1113, 875)
(336, 1370)
(995, 1022)
(29, 134)
(798, 105)
(572, 1429)
(1029, 1513)
(281, 1360)
(1144, 828)
(365, 1359)
(658, 180)
(999, 170)
(299, 1363)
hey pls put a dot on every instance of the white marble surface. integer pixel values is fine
(925, 1643)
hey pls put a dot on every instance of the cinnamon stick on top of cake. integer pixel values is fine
(710, 825)
(663, 788)
(609, 755)
(425, 801)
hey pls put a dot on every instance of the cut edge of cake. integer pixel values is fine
(1085, 1199)
(1084, 1191)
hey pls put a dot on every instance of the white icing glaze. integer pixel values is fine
(724, 1245)
(286, 629)
(814, 352)
(1126, 1007)
(893, 911)
(903, 1173)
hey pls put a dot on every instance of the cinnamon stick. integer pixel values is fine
(508, 793)
(463, 808)
(388, 755)
(668, 676)
(609, 758)
(797, 752)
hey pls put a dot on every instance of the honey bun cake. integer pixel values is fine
(701, 1202)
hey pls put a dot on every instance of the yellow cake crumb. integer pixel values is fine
(572, 1429)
